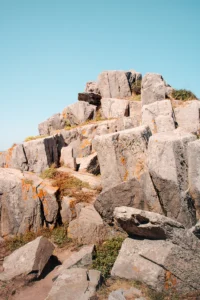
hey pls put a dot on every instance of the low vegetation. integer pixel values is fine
(32, 138)
(58, 236)
(183, 95)
(106, 255)
(136, 87)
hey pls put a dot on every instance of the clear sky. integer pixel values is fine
(49, 49)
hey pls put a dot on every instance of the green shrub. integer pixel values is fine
(59, 236)
(183, 95)
(106, 255)
(49, 173)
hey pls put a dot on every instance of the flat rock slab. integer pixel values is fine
(160, 264)
(30, 258)
(114, 108)
(75, 284)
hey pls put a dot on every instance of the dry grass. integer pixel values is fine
(32, 138)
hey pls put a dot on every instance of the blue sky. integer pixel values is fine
(49, 49)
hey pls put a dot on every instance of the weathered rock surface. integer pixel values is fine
(122, 155)
(31, 258)
(187, 116)
(194, 173)
(146, 224)
(160, 264)
(154, 88)
(75, 284)
(67, 157)
(89, 164)
(79, 112)
(158, 116)
(135, 109)
(133, 193)
(91, 98)
(53, 123)
(26, 202)
(68, 212)
(91, 87)
(114, 108)
(168, 166)
(114, 84)
(81, 259)
(88, 228)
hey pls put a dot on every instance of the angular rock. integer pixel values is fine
(91, 87)
(114, 108)
(158, 116)
(91, 98)
(68, 211)
(31, 258)
(135, 108)
(122, 155)
(146, 224)
(81, 259)
(168, 166)
(67, 157)
(26, 202)
(41, 154)
(89, 164)
(194, 173)
(88, 228)
(133, 193)
(79, 112)
(154, 88)
(126, 123)
(114, 84)
(160, 264)
(188, 117)
(75, 284)
(53, 123)
(14, 157)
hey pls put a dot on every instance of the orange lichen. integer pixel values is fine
(170, 280)
(139, 168)
(27, 188)
(126, 176)
(85, 143)
(123, 160)
(9, 156)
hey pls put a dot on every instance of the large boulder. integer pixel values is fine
(14, 157)
(88, 228)
(91, 98)
(187, 116)
(53, 123)
(114, 108)
(135, 108)
(158, 116)
(154, 88)
(122, 155)
(138, 193)
(79, 112)
(26, 202)
(168, 166)
(160, 264)
(75, 284)
(114, 84)
(194, 173)
(146, 224)
(31, 258)
(89, 164)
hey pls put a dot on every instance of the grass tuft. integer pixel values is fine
(183, 95)
(32, 138)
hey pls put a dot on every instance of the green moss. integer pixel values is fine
(106, 255)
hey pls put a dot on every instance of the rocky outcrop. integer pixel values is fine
(159, 116)
(91, 87)
(114, 108)
(75, 284)
(89, 164)
(122, 155)
(138, 193)
(88, 228)
(187, 116)
(31, 258)
(122, 294)
(30, 204)
(168, 166)
(79, 112)
(55, 122)
(91, 98)
(160, 264)
(154, 88)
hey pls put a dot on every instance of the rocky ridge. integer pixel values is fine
(114, 166)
